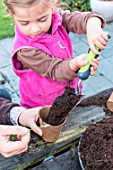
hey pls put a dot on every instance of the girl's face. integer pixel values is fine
(34, 20)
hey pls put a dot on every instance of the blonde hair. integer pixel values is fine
(10, 4)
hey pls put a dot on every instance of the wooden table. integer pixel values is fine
(65, 148)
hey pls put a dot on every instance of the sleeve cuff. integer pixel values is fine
(103, 22)
(15, 113)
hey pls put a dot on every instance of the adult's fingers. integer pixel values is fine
(7, 130)
(25, 138)
(7, 155)
(13, 153)
(11, 146)
(35, 128)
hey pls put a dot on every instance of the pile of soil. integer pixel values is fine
(62, 106)
(99, 99)
(64, 103)
(96, 146)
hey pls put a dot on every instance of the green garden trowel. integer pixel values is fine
(84, 71)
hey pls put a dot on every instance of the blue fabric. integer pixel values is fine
(5, 94)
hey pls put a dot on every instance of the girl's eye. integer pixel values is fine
(43, 19)
(24, 23)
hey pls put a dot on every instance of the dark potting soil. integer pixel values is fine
(96, 146)
(99, 99)
(64, 103)
(62, 106)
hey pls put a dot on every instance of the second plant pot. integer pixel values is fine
(50, 133)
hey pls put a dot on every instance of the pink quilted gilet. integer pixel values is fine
(36, 90)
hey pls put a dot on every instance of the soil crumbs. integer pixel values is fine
(96, 146)
(62, 106)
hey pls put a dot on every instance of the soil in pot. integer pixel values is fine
(96, 146)
(62, 106)
(50, 133)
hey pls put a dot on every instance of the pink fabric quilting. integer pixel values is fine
(36, 90)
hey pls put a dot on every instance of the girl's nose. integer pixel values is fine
(35, 30)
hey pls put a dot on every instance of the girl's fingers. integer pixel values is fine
(99, 41)
(93, 49)
(92, 72)
(99, 45)
(94, 65)
(102, 41)
(96, 61)
(105, 36)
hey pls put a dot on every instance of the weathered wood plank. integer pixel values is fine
(67, 161)
(79, 118)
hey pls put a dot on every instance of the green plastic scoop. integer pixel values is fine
(84, 71)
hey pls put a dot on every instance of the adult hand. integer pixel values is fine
(10, 148)
(29, 118)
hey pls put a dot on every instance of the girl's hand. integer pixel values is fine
(95, 35)
(94, 66)
(29, 118)
(79, 61)
(10, 148)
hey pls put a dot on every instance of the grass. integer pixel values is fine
(6, 23)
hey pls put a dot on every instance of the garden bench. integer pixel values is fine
(64, 149)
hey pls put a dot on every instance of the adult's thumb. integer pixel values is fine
(13, 130)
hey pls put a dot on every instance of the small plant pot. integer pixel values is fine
(50, 133)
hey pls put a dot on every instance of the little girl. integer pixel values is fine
(42, 54)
